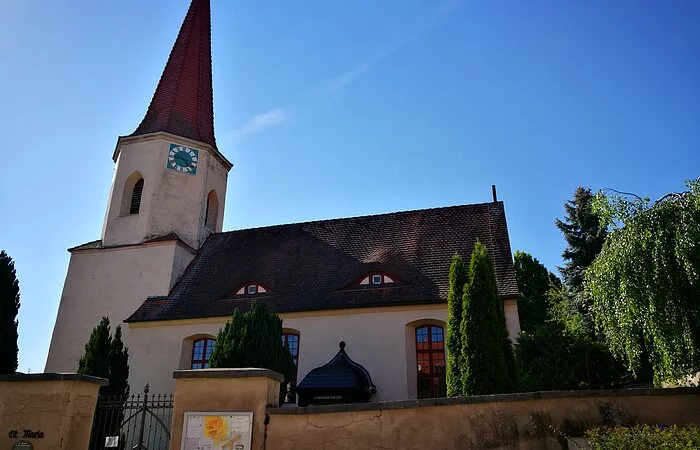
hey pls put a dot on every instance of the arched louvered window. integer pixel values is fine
(136, 197)
(131, 195)
(211, 214)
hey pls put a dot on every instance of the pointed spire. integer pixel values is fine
(183, 102)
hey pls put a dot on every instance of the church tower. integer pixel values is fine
(167, 196)
(170, 177)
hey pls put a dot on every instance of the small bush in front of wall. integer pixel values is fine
(645, 437)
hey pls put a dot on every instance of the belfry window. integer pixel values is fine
(211, 215)
(136, 197)
(201, 351)
(132, 194)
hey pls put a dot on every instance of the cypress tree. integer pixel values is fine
(458, 278)
(253, 339)
(484, 370)
(9, 308)
(106, 357)
(119, 366)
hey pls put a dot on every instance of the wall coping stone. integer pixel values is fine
(523, 396)
(55, 377)
(246, 372)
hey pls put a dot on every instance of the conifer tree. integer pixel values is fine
(584, 237)
(458, 278)
(106, 357)
(9, 308)
(484, 370)
(534, 283)
(252, 339)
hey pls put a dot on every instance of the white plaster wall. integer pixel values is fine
(111, 283)
(375, 339)
(512, 318)
(381, 339)
(171, 201)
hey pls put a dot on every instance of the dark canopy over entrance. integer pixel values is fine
(342, 380)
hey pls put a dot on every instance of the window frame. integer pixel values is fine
(291, 395)
(207, 349)
(434, 377)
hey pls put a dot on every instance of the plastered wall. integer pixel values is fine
(519, 421)
(111, 283)
(381, 339)
(171, 201)
(56, 410)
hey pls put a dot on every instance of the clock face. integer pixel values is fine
(183, 159)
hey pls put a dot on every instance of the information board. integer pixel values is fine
(217, 431)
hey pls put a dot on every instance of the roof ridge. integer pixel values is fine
(365, 216)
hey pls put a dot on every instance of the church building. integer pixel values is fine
(165, 271)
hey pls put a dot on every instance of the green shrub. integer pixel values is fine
(643, 437)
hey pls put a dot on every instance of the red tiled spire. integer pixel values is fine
(183, 102)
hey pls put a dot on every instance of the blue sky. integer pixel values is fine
(333, 109)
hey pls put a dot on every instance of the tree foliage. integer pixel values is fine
(645, 284)
(534, 282)
(560, 352)
(9, 308)
(484, 366)
(106, 357)
(252, 339)
(584, 234)
(458, 278)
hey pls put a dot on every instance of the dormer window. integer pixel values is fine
(376, 279)
(251, 289)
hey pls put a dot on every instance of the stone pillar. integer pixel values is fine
(224, 390)
(49, 410)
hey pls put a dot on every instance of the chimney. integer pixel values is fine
(493, 191)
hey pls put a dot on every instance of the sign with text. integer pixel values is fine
(217, 431)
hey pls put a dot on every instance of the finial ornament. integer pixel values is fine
(342, 345)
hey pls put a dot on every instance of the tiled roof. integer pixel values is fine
(183, 101)
(312, 266)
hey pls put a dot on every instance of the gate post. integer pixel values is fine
(224, 391)
(48, 410)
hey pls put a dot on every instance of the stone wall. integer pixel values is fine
(51, 411)
(522, 421)
(224, 390)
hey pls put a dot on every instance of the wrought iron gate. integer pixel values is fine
(138, 422)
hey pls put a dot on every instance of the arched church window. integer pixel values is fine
(211, 214)
(430, 356)
(136, 197)
(201, 351)
(291, 341)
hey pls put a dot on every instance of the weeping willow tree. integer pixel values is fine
(645, 283)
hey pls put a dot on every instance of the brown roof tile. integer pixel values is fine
(183, 101)
(309, 266)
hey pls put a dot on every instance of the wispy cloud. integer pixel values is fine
(337, 85)
(260, 122)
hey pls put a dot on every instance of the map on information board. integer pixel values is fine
(217, 431)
